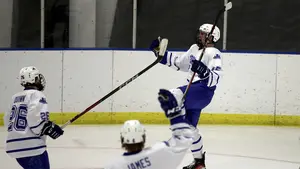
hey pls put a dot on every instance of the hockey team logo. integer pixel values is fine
(217, 56)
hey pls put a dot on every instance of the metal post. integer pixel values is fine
(134, 24)
(42, 23)
(225, 27)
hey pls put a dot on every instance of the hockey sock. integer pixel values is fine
(197, 146)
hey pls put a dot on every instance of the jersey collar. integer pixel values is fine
(131, 153)
(30, 88)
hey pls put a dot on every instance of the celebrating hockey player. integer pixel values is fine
(202, 89)
(28, 123)
(165, 154)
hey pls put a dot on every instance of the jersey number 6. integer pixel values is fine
(17, 119)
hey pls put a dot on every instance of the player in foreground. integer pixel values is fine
(201, 91)
(28, 122)
(162, 155)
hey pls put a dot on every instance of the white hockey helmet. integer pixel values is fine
(31, 76)
(207, 28)
(132, 132)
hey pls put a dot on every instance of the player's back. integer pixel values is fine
(159, 156)
(23, 123)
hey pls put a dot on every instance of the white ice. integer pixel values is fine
(227, 147)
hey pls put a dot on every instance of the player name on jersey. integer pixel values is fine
(140, 164)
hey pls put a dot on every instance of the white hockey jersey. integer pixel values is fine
(211, 58)
(24, 121)
(162, 155)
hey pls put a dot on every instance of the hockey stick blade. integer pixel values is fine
(159, 58)
(163, 47)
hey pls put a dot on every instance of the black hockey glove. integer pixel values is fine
(200, 68)
(52, 130)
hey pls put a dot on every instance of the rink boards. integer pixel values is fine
(256, 88)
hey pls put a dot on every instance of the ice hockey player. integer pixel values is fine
(201, 92)
(165, 154)
(28, 123)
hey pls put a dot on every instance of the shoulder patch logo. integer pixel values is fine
(43, 100)
(217, 56)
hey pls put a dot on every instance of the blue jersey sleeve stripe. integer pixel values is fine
(218, 79)
(178, 68)
(215, 72)
(167, 144)
(218, 76)
(197, 140)
(211, 78)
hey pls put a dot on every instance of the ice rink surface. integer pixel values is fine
(227, 147)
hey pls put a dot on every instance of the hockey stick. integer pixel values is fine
(162, 48)
(226, 7)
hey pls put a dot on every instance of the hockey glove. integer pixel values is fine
(169, 104)
(154, 47)
(52, 130)
(201, 69)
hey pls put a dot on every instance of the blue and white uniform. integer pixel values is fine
(24, 122)
(201, 91)
(27, 122)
